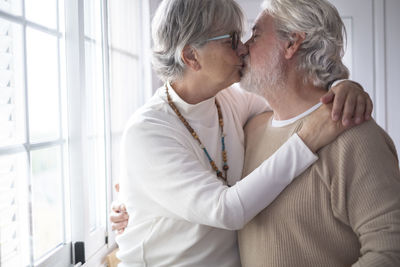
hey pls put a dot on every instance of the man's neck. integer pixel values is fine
(293, 98)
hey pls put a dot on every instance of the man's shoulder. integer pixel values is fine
(257, 122)
(361, 144)
(368, 133)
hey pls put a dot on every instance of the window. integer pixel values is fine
(33, 140)
(129, 66)
(71, 73)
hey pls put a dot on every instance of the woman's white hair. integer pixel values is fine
(178, 23)
(320, 54)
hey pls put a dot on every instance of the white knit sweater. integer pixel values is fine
(180, 213)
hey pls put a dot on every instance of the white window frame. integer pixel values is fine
(62, 251)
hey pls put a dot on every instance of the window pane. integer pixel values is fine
(124, 19)
(125, 97)
(12, 107)
(47, 200)
(42, 12)
(92, 19)
(14, 221)
(11, 6)
(43, 88)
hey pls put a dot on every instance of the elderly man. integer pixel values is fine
(344, 210)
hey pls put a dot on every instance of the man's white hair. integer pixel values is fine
(178, 23)
(320, 54)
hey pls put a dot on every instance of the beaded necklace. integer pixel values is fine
(196, 137)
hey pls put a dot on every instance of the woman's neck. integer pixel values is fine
(194, 91)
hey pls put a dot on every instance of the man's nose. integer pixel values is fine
(242, 49)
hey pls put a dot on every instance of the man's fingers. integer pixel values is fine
(117, 207)
(119, 226)
(116, 186)
(368, 109)
(348, 111)
(119, 217)
(337, 108)
(360, 109)
(328, 97)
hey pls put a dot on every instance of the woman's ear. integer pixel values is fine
(190, 58)
(292, 47)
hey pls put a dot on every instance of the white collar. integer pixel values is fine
(282, 123)
(204, 109)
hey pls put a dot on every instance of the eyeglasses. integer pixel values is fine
(234, 39)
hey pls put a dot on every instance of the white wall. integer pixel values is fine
(392, 57)
(156, 82)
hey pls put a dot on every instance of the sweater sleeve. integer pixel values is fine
(366, 193)
(170, 174)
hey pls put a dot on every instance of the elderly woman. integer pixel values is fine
(183, 151)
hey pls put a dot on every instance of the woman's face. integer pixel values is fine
(220, 63)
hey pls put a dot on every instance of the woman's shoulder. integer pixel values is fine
(154, 108)
(153, 114)
(258, 121)
(239, 96)
(233, 92)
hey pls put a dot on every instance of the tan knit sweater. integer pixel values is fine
(342, 211)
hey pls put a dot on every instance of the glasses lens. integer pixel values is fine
(235, 40)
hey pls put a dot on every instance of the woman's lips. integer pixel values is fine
(241, 67)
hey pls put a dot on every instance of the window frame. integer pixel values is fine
(62, 251)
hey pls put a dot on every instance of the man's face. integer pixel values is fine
(265, 63)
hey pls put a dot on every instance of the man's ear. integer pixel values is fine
(291, 47)
(190, 58)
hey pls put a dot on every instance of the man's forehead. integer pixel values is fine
(260, 21)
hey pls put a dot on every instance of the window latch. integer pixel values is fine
(79, 252)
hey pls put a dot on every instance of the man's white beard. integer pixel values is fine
(267, 77)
